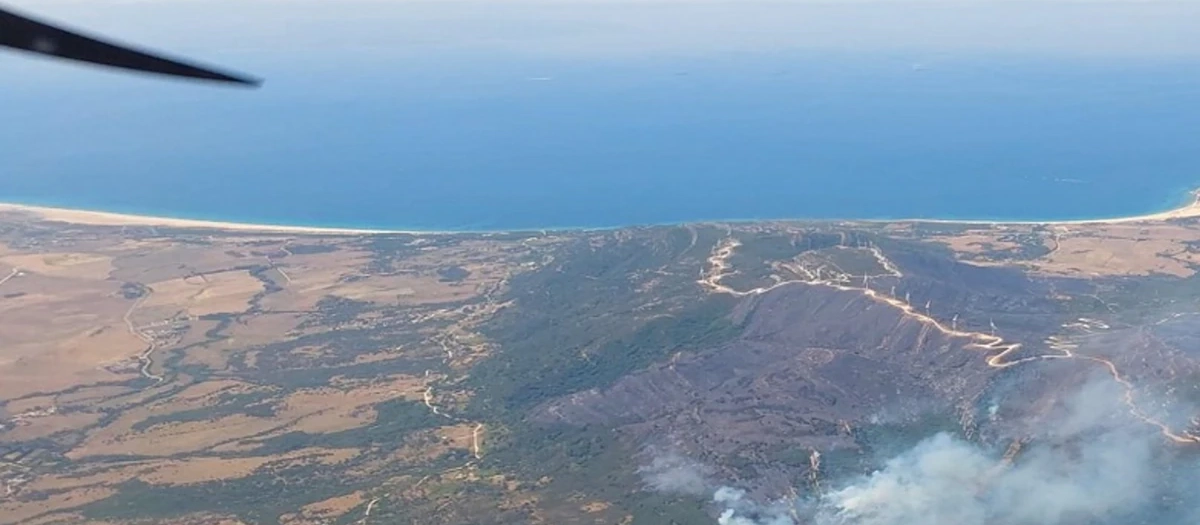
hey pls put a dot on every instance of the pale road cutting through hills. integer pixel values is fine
(271, 262)
(367, 514)
(720, 267)
(428, 397)
(13, 273)
(447, 339)
(145, 357)
(475, 440)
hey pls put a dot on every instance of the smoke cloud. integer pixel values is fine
(946, 481)
(1090, 463)
(1091, 466)
(673, 473)
(742, 511)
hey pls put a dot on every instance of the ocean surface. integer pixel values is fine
(479, 141)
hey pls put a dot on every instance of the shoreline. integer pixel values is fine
(104, 218)
(1187, 210)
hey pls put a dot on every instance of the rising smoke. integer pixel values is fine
(673, 473)
(738, 510)
(1089, 464)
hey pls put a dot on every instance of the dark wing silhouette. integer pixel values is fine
(24, 33)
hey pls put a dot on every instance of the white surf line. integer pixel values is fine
(145, 357)
(987, 342)
(13, 273)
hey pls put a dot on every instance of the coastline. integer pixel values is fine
(104, 218)
(1187, 210)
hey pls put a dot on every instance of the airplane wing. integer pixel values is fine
(26, 34)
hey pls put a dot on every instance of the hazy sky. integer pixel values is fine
(1145, 28)
(672, 88)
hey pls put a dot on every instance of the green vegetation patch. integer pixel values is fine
(573, 356)
(453, 274)
(260, 498)
(311, 249)
(586, 319)
(254, 404)
(579, 464)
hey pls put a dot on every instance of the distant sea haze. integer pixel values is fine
(481, 142)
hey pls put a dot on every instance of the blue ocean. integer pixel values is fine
(472, 140)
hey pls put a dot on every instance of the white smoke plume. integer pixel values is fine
(740, 511)
(946, 481)
(1090, 464)
(673, 473)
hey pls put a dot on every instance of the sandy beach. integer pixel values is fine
(102, 218)
(1186, 211)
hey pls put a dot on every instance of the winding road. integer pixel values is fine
(146, 357)
(997, 348)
